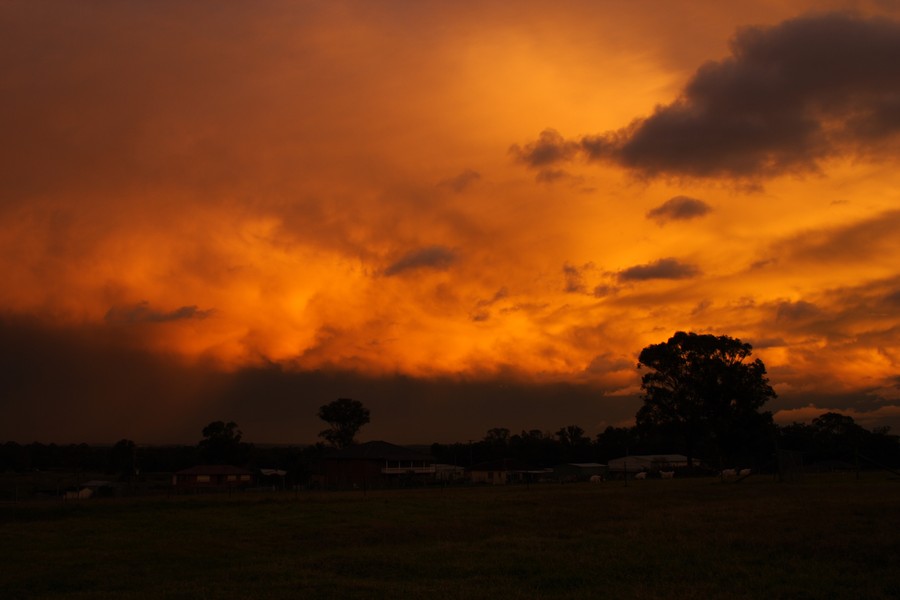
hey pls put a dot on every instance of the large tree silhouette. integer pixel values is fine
(704, 389)
(344, 417)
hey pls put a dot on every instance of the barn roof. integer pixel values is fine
(378, 450)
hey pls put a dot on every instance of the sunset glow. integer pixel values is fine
(510, 196)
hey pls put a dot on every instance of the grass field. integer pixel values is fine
(822, 537)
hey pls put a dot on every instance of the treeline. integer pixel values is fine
(126, 461)
(831, 437)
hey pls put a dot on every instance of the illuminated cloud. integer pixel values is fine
(679, 208)
(865, 418)
(664, 268)
(318, 200)
(432, 257)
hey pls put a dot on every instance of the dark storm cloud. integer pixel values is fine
(463, 181)
(554, 175)
(549, 149)
(431, 257)
(91, 383)
(799, 311)
(602, 290)
(78, 384)
(142, 313)
(609, 362)
(768, 342)
(869, 240)
(664, 268)
(482, 312)
(679, 208)
(574, 277)
(787, 97)
(501, 294)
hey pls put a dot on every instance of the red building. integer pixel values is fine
(212, 477)
(375, 465)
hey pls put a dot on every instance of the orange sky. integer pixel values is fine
(510, 195)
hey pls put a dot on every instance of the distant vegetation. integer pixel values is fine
(703, 397)
(830, 437)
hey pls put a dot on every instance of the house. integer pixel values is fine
(505, 470)
(212, 477)
(652, 463)
(578, 471)
(92, 489)
(374, 464)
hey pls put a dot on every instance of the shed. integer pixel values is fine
(647, 463)
(503, 471)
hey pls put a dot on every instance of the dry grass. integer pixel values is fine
(819, 538)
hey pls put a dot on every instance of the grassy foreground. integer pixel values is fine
(818, 538)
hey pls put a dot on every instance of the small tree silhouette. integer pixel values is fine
(345, 417)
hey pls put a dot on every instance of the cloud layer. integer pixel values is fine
(208, 210)
(789, 97)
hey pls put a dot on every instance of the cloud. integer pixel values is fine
(873, 239)
(786, 98)
(574, 277)
(866, 418)
(679, 208)
(432, 257)
(142, 313)
(88, 383)
(602, 290)
(463, 181)
(554, 175)
(481, 307)
(550, 148)
(796, 311)
(664, 268)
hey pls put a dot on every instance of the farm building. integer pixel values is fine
(578, 471)
(449, 473)
(647, 463)
(212, 477)
(505, 470)
(375, 465)
(92, 489)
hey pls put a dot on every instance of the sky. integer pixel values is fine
(463, 215)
